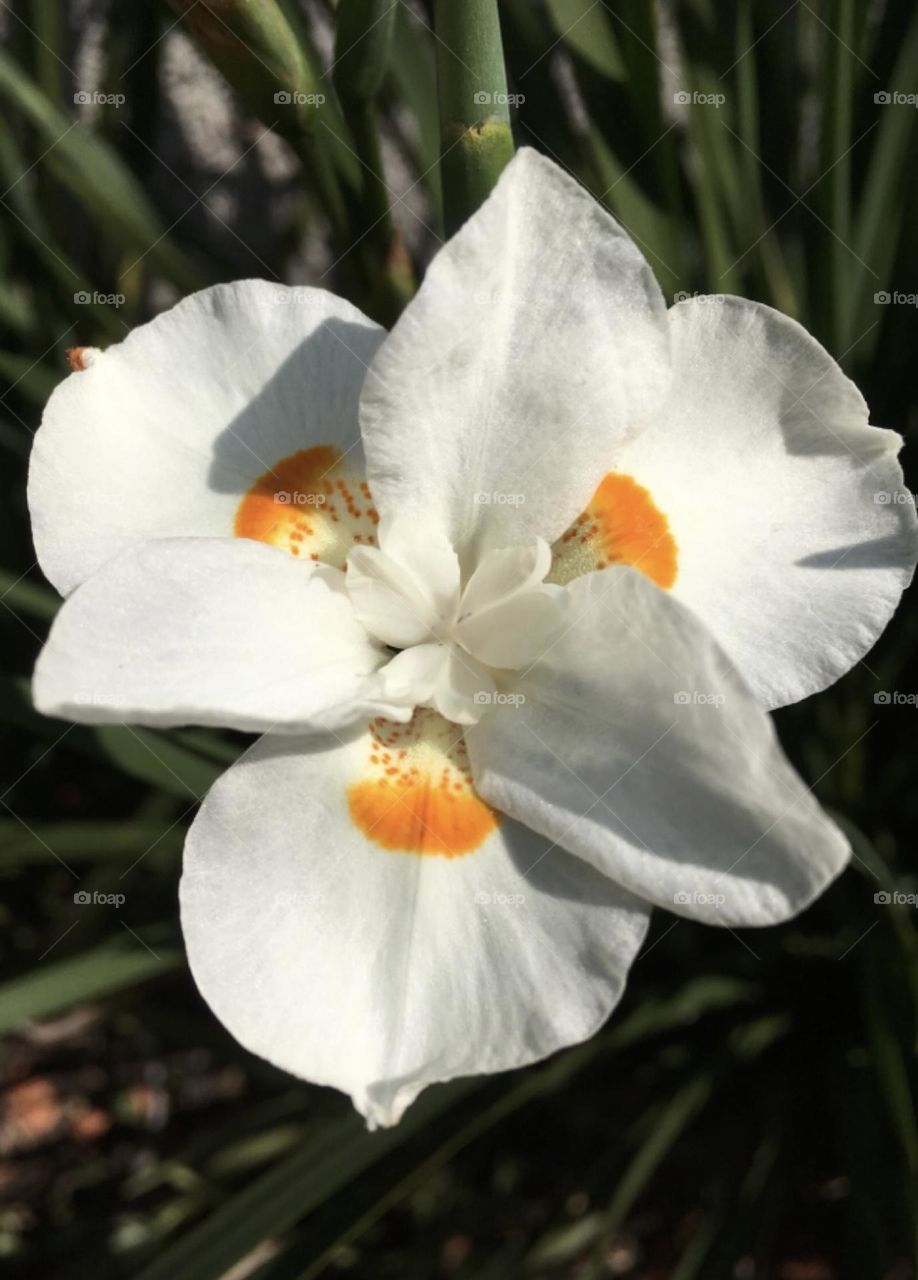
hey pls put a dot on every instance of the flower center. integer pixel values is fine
(456, 641)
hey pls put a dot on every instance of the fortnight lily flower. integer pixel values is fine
(508, 591)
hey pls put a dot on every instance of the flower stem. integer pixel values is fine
(475, 138)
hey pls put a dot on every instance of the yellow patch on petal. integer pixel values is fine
(621, 525)
(311, 504)
(416, 795)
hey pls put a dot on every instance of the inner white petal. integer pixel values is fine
(465, 689)
(426, 556)
(413, 675)
(505, 573)
(407, 594)
(516, 632)
(388, 601)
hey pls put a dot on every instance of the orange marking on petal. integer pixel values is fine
(426, 804)
(621, 525)
(293, 506)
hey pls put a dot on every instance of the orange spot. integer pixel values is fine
(621, 525)
(296, 506)
(427, 804)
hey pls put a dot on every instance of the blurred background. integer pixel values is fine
(749, 1112)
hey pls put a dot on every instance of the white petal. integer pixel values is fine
(380, 971)
(413, 675)
(537, 340)
(795, 536)
(636, 745)
(165, 432)
(387, 600)
(465, 689)
(504, 573)
(517, 632)
(506, 616)
(425, 553)
(213, 631)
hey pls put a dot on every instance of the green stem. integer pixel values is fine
(475, 137)
(363, 47)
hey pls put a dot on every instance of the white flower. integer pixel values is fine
(609, 537)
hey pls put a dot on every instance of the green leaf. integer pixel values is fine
(586, 29)
(85, 841)
(879, 216)
(757, 226)
(151, 757)
(94, 172)
(415, 79)
(24, 596)
(51, 987)
(325, 1162)
(363, 43)
(28, 221)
